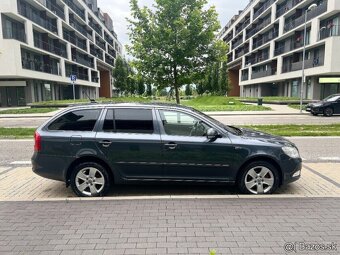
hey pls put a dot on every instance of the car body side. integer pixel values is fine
(231, 152)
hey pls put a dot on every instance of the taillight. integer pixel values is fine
(37, 142)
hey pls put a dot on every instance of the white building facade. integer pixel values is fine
(44, 42)
(266, 48)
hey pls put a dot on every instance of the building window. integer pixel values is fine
(13, 29)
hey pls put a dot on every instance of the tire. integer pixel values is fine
(269, 180)
(314, 114)
(90, 179)
(328, 112)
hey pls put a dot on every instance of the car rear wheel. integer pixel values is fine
(328, 112)
(259, 177)
(90, 180)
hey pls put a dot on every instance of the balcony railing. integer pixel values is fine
(286, 8)
(9, 33)
(50, 48)
(95, 28)
(40, 66)
(260, 74)
(245, 77)
(321, 8)
(44, 22)
(81, 60)
(80, 76)
(78, 27)
(75, 8)
(263, 8)
(309, 63)
(258, 59)
(100, 43)
(109, 60)
(95, 79)
(257, 28)
(75, 41)
(56, 9)
(330, 31)
(237, 43)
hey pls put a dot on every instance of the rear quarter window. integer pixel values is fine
(80, 120)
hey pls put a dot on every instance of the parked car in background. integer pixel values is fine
(328, 107)
(92, 147)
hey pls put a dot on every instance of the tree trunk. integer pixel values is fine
(178, 101)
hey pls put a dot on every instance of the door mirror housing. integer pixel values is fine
(212, 134)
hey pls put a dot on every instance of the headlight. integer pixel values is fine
(291, 151)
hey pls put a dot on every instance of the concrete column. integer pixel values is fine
(29, 33)
(273, 13)
(281, 25)
(60, 28)
(67, 14)
(315, 31)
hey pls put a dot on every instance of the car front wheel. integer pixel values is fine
(90, 180)
(259, 178)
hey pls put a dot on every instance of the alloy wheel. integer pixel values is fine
(259, 180)
(90, 181)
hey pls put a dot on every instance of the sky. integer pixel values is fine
(120, 9)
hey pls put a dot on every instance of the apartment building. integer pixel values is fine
(266, 41)
(44, 42)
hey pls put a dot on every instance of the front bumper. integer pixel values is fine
(294, 171)
(316, 110)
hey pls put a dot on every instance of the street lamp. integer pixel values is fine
(311, 7)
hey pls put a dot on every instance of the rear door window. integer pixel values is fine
(81, 120)
(138, 121)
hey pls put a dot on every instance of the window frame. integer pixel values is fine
(104, 113)
(95, 128)
(193, 115)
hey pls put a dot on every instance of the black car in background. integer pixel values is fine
(329, 106)
(92, 147)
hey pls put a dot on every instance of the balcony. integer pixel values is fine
(95, 28)
(75, 8)
(27, 11)
(245, 76)
(265, 6)
(243, 26)
(77, 26)
(112, 52)
(60, 51)
(257, 58)
(330, 31)
(109, 60)
(19, 35)
(285, 8)
(75, 41)
(258, 27)
(83, 60)
(100, 43)
(97, 52)
(321, 8)
(309, 63)
(237, 43)
(56, 9)
(108, 39)
(260, 74)
(40, 66)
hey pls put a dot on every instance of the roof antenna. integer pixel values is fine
(92, 100)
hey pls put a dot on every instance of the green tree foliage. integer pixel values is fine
(223, 79)
(174, 42)
(120, 74)
(188, 90)
(149, 90)
(140, 86)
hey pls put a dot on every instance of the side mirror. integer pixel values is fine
(212, 134)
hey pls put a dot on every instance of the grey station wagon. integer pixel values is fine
(92, 147)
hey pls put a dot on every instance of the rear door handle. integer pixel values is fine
(105, 143)
(171, 146)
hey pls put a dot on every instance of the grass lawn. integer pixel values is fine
(299, 130)
(220, 103)
(16, 133)
(28, 110)
(297, 106)
(281, 130)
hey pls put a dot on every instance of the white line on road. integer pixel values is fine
(20, 163)
(329, 158)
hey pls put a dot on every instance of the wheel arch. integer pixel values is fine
(85, 159)
(261, 158)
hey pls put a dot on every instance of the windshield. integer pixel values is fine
(231, 129)
(332, 98)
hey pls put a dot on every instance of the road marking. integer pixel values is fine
(322, 176)
(329, 158)
(20, 163)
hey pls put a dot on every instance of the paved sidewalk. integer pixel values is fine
(243, 226)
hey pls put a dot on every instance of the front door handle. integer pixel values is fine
(105, 143)
(171, 146)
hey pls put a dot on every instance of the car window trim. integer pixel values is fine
(191, 114)
(155, 125)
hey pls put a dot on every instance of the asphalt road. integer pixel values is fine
(323, 149)
(229, 120)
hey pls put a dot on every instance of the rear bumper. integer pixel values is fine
(50, 167)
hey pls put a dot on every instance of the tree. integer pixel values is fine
(188, 90)
(174, 42)
(214, 78)
(223, 79)
(149, 90)
(120, 74)
(140, 86)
